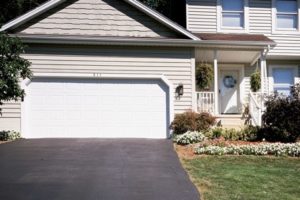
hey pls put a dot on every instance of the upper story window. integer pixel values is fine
(233, 13)
(232, 16)
(287, 14)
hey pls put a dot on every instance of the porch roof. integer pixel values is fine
(228, 55)
(234, 37)
(237, 53)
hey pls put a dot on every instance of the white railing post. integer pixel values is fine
(216, 86)
(255, 108)
(205, 102)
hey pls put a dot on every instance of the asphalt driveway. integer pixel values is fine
(92, 169)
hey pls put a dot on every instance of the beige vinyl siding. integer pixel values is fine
(202, 17)
(11, 116)
(260, 17)
(174, 63)
(97, 18)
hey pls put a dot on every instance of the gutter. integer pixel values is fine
(75, 40)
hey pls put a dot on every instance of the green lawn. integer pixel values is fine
(245, 177)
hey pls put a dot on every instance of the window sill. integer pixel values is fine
(286, 31)
(232, 30)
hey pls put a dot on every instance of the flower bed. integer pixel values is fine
(189, 138)
(9, 135)
(277, 149)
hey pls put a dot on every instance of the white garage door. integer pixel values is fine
(72, 108)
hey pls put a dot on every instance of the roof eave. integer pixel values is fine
(31, 14)
(49, 39)
(140, 6)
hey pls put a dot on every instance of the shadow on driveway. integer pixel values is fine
(93, 169)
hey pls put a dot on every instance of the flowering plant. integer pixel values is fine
(189, 137)
(277, 149)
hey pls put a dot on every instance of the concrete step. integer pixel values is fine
(231, 121)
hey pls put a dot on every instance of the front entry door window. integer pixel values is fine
(229, 84)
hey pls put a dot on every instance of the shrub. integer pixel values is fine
(9, 135)
(204, 75)
(277, 149)
(189, 138)
(249, 133)
(192, 121)
(281, 120)
(216, 132)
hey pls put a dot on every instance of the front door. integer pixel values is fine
(229, 91)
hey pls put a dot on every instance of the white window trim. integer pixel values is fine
(281, 66)
(276, 30)
(220, 28)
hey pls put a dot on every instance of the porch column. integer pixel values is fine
(216, 85)
(262, 72)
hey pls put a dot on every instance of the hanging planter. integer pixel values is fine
(255, 81)
(204, 76)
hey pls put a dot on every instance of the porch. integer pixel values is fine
(230, 94)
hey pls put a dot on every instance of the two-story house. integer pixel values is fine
(116, 68)
(244, 22)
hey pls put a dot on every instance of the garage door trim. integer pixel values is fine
(27, 82)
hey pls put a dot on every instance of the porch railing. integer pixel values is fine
(256, 107)
(205, 102)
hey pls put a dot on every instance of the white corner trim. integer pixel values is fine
(24, 84)
(193, 64)
(152, 13)
(161, 77)
(31, 14)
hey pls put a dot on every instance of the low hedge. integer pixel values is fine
(9, 135)
(248, 133)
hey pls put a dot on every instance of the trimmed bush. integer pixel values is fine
(192, 121)
(277, 149)
(189, 138)
(9, 135)
(281, 120)
(248, 133)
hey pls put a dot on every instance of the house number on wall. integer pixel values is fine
(96, 74)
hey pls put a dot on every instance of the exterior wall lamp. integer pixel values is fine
(179, 90)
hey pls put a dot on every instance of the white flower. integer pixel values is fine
(189, 138)
(277, 149)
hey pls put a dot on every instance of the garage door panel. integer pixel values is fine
(97, 108)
